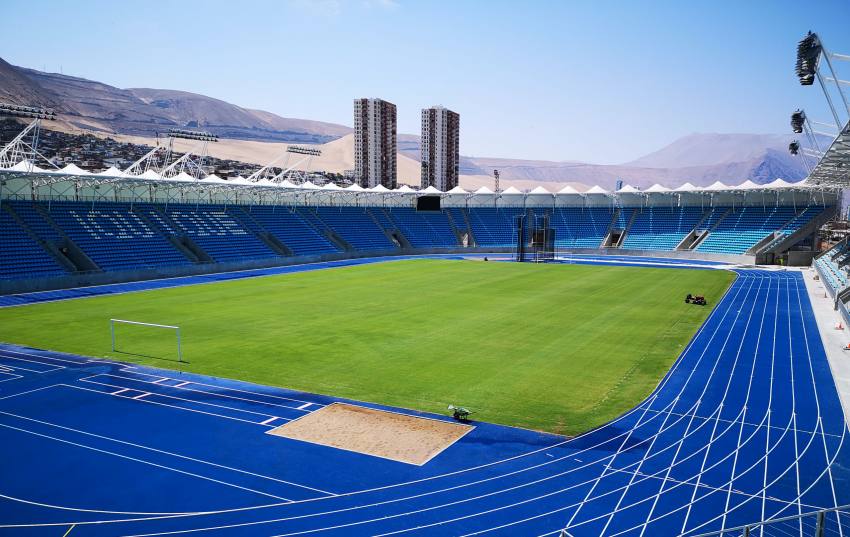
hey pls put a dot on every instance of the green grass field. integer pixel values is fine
(560, 348)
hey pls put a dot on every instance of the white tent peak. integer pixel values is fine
(73, 169)
(150, 174)
(657, 188)
(457, 190)
(112, 171)
(539, 190)
(484, 190)
(511, 190)
(779, 183)
(717, 185)
(596, 189)
(308, 185)
(628, 189)
(379, 188)
(404, 188)
(687, 187)
(568, 190)
(747, 185)
(354, 187)
(431, 190)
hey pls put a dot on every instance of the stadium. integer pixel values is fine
(188, 355)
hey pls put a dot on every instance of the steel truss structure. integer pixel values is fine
(815, 62)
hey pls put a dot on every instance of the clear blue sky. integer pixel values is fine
(597, 81)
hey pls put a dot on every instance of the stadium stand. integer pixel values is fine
(423, 229)
(581, 227)
(355, 226)
(661, 228)
(215, 231)
(114, 236)
(291, 229)
(743, 227)
(21, 256)
(494, 226)
(117, 236)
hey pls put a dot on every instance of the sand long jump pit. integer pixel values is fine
(391, 435)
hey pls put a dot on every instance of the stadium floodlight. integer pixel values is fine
(31, 112)
(808, 56)
(192, 135)
(798, 119)
(794, 147)
(301, 150)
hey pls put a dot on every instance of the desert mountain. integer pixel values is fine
(140, 113)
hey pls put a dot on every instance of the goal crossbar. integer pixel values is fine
(154, 325)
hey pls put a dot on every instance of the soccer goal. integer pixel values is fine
(114, 322)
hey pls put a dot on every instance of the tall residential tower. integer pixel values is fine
(374, 143)
(440, 148)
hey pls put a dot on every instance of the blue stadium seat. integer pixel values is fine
(355, 226)
(494, 226)
(114, 236)
(288, 226)
(581, 227)
(661, 228)
(423, 229)
(219, 234)
(743, 227)
(21, 257)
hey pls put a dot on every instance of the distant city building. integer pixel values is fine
(375, 143)
(440, 148)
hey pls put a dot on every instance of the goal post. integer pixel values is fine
(113, 322)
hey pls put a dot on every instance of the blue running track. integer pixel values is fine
(746, 426)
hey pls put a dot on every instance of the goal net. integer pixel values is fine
(149, 340)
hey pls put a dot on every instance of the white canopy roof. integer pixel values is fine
(539, 190)
(27, 166)
(404, 188)
(657, 188)
(687, 187)
(182, 176)
(354, 187)
(378, 188)
(150, 174)
(331, 186)
(717, 185)
(568, 190)
(484, 190)
(779, 183)
(73, 169)
(746, 185)
(112, 171)
(286, 183)
(597, 190)
(457, 190)
(511, 190)
(308, 185)
(213, 178)
(628, 189)
(432, 190)
(240, 181)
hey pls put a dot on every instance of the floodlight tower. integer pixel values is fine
(23, 147)
(810, 50)
(496, 180)
(192, 161)
(298, 176)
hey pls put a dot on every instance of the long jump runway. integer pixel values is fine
(746, 426)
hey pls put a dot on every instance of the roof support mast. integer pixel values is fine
(23, 147)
